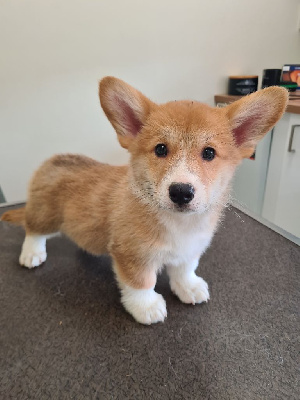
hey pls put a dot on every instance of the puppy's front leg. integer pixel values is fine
(189, 287)
(138, 295)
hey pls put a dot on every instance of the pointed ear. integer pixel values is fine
(126, 108)
(253, 116)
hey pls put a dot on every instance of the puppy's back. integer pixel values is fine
(71, 193)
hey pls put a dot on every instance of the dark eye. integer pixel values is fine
(208, 153)
(161, 150)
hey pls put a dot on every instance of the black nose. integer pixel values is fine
(181, 193)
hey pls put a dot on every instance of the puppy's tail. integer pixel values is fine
(16, 217)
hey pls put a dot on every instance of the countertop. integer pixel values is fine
(293, 105)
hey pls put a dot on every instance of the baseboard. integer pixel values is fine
(13, 203)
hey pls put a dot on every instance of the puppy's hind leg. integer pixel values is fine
(33, 251)
(42, 221)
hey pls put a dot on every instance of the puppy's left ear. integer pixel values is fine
(126, 108)
(253, 116)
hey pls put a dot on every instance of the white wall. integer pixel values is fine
(53, 52)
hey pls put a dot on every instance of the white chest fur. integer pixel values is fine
(186, 238)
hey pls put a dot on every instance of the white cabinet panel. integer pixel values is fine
(282, 195)
(250, 179)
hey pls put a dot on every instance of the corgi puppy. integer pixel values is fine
(163, 208)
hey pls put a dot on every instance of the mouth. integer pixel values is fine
(188, 208)
(184, 208)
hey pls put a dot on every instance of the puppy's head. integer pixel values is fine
(183, 153)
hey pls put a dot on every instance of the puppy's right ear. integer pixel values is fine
(126, 108)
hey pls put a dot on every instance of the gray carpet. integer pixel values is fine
(65, 335)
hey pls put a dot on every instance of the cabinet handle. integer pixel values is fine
(290, 150)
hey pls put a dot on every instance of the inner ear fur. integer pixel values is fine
(126, 108)
(253, 116)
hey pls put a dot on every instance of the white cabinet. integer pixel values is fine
(281, 204)
(268, 188)
(250, 179)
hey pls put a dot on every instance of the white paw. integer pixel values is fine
(33, 251)
(31, 260)
(191, 291)
(145, 305)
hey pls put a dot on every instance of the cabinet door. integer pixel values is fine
(250, 179)
(282, 196)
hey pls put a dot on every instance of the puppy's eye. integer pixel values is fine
(208, 153)
(161, 150)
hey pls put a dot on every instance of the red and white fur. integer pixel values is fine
(129, 211)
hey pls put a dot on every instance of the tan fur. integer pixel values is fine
(107, 209)
(16, 217)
